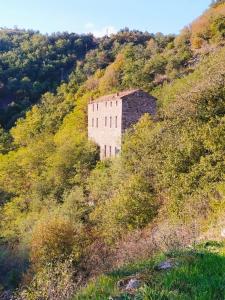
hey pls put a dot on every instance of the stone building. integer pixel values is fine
(109, 116)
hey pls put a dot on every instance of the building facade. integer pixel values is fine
(109, 116)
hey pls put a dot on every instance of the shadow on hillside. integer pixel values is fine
(12, 266)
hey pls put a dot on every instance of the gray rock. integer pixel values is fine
(133, 284)
(165, 265)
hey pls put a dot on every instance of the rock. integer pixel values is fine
(133, 284)
(165, 265)
(129, 284)
(223, 232)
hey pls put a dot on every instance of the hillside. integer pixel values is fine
(32, 64)
(196, 273)
(68, 220)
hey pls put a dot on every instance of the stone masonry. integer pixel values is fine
(109, 116)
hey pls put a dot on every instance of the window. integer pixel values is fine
(105, 104)
(110, 151)
(116, 103)
(97, 106)
(110, 122)
(93, 107)
(105, 121)
(116, 121)
(105, 148)
(93, 122)
(116, 151)
(97, 122)
(111, 103)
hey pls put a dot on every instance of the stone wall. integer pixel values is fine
(134, 106)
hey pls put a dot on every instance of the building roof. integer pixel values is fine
(116, 96)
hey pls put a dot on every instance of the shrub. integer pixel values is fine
(55, 239)
(55, 281)
(132, 207)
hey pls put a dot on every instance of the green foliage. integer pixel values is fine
(103, 188)
(111, 79)
(35, 63)
(32, 64)
(102, 289)
(218, 28)
(131, 208)
(5, 141)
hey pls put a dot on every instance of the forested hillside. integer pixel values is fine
(32, 63)
(65, 216)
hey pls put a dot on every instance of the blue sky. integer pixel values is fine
(100, 16)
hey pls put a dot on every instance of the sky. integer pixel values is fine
(100, 16)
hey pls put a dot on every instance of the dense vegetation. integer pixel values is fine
(64, 215)
(32, 63)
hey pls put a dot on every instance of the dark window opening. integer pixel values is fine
(92, 122)
(110, 122)
(116, 151)
(116, 121)
(105, 121)
(110, 151)
(105, 148)
(97, 122)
